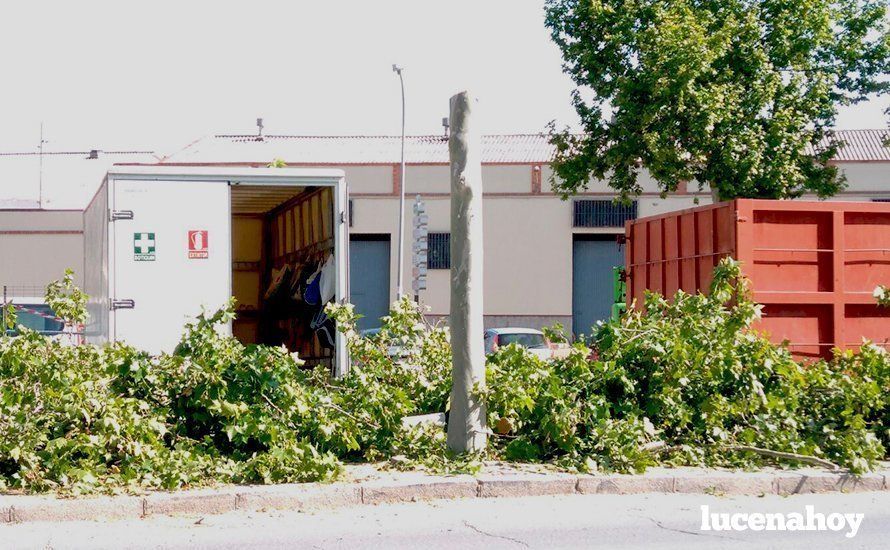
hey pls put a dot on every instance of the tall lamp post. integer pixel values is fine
(399, 272)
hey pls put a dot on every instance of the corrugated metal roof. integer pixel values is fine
(515, 148)
(861, 145)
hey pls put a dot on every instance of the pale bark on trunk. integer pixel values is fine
(467, 431)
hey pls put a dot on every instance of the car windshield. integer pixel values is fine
(531, 341)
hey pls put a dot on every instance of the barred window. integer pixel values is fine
(439, 254)
(603, 213)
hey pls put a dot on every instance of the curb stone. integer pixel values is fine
(382, 487)
(42, 508)
(419, 488)
(296, 496)
(527, 485)
(793, 483)
(6, 509)
(625, 484)
(201, 501)
(726, 483)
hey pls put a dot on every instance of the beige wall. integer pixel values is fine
(528, 237)
(871, 179)
(507, 178)
(36, 246)
(645, 180)
(427, 179)
(368, 179)
(527, 246)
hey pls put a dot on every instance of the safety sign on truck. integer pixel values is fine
(144, 247)
(198, 245)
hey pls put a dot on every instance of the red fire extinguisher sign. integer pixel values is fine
(198, 249)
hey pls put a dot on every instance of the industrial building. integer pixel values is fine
(547, 260)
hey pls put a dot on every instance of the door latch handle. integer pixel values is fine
(123, 304)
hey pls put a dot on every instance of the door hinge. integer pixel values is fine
(123, 304)
(115, 215)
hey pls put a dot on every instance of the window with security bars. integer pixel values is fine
(439, 251)
(603, 213)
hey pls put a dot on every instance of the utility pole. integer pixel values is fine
(467, 426)
(401, 254)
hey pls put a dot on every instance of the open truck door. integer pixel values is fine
(171, 256)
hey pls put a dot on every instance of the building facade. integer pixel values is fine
(547, 260)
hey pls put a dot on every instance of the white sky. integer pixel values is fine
(157, 74)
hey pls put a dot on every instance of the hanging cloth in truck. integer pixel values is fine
(312, 293)
(325, 329)
(293, 286)
(278, 277)
(298, 284)
(328, 279)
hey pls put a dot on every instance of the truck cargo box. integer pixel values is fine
(813, 265)
(164, 242)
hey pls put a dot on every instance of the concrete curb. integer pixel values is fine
(415, 486)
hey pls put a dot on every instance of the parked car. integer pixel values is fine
(394, 352)
(531, 339)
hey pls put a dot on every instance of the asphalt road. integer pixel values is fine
(577, 521)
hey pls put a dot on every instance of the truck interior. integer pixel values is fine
(283, 270)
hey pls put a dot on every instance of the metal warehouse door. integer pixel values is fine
(593, 257)
(369, 278)
(171, 259)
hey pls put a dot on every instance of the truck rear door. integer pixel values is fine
(171, 257)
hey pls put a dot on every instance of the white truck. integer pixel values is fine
(164, 242)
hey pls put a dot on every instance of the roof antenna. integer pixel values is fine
(446, 125)
(259, 126)
(40, 180)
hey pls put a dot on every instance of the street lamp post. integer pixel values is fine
(399, 272)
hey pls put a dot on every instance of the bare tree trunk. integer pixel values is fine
(467, 429)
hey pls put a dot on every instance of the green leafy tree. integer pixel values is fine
(739, 95)
(9, 316)
(882, 295)
(67, 300)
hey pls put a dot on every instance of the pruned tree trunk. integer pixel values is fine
(467, 431)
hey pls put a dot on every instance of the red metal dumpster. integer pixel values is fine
(813, 265)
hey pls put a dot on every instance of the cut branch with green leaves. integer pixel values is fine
(882, 295)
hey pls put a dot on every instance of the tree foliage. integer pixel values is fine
(66, 300)
(104, 418)
(739, 95)
(882, 295)
(689, 372)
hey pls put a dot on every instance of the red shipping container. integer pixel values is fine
(813, 265)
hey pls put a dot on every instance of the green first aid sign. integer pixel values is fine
(144, 247)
